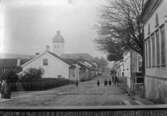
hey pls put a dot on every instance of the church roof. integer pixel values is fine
(58, 38)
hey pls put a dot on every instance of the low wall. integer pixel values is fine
(156, 89)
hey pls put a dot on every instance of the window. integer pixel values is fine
(163, 55)
(149, 29)
(153, 50)
(157, 48)
(149, 51)
(156, 20)
(45, 62)
(139, 80)
(146, 53)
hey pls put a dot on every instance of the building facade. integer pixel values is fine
(132, 65)
(155, 28)
(52, 65)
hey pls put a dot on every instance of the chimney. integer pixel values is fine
(47, 48)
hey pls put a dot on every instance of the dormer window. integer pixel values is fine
(156, 20)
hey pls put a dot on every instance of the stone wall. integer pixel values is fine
(156, 89)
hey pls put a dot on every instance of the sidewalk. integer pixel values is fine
(143, 100)
(136, 98)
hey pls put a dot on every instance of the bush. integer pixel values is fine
(31, 74)
(44, 84)
(9, 76)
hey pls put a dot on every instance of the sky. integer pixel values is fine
(29, 25)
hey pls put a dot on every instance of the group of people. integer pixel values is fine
(112, 81)
(109, 82)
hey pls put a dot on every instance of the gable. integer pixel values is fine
(49, 54)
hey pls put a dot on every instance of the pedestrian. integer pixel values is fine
(5, 90)
(105, 82)
(116, 80)
(110, 83)
(77, 83)
(98, 83)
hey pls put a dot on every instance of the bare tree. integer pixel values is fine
(121, 28)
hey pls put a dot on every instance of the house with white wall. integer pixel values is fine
(50, 61)
(52, 65)
(74, 69)
(155, 28)
(132, 65)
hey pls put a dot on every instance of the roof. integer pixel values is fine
(71, 61)
(55, 55)
(51, 53)
(82, 65)
(78, 56)
(7, 63)
(58, 38)
(149, 9)
(15, 56)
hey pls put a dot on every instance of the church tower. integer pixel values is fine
(58, 44)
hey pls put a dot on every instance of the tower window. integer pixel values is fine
(163, 46)
(45, 62)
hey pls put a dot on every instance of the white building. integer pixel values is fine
(155, 28)
(52, 64)
(132, 64)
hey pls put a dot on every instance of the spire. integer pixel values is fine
(47, 48)
(58, 32)
(58, 38)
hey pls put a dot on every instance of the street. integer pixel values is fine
(86, 94)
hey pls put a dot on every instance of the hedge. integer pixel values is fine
(42, 84)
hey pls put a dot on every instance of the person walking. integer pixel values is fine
(98, 83)
(105, 82)
(77, 83)
(110, 83)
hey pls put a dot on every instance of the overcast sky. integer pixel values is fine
(30, 25)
